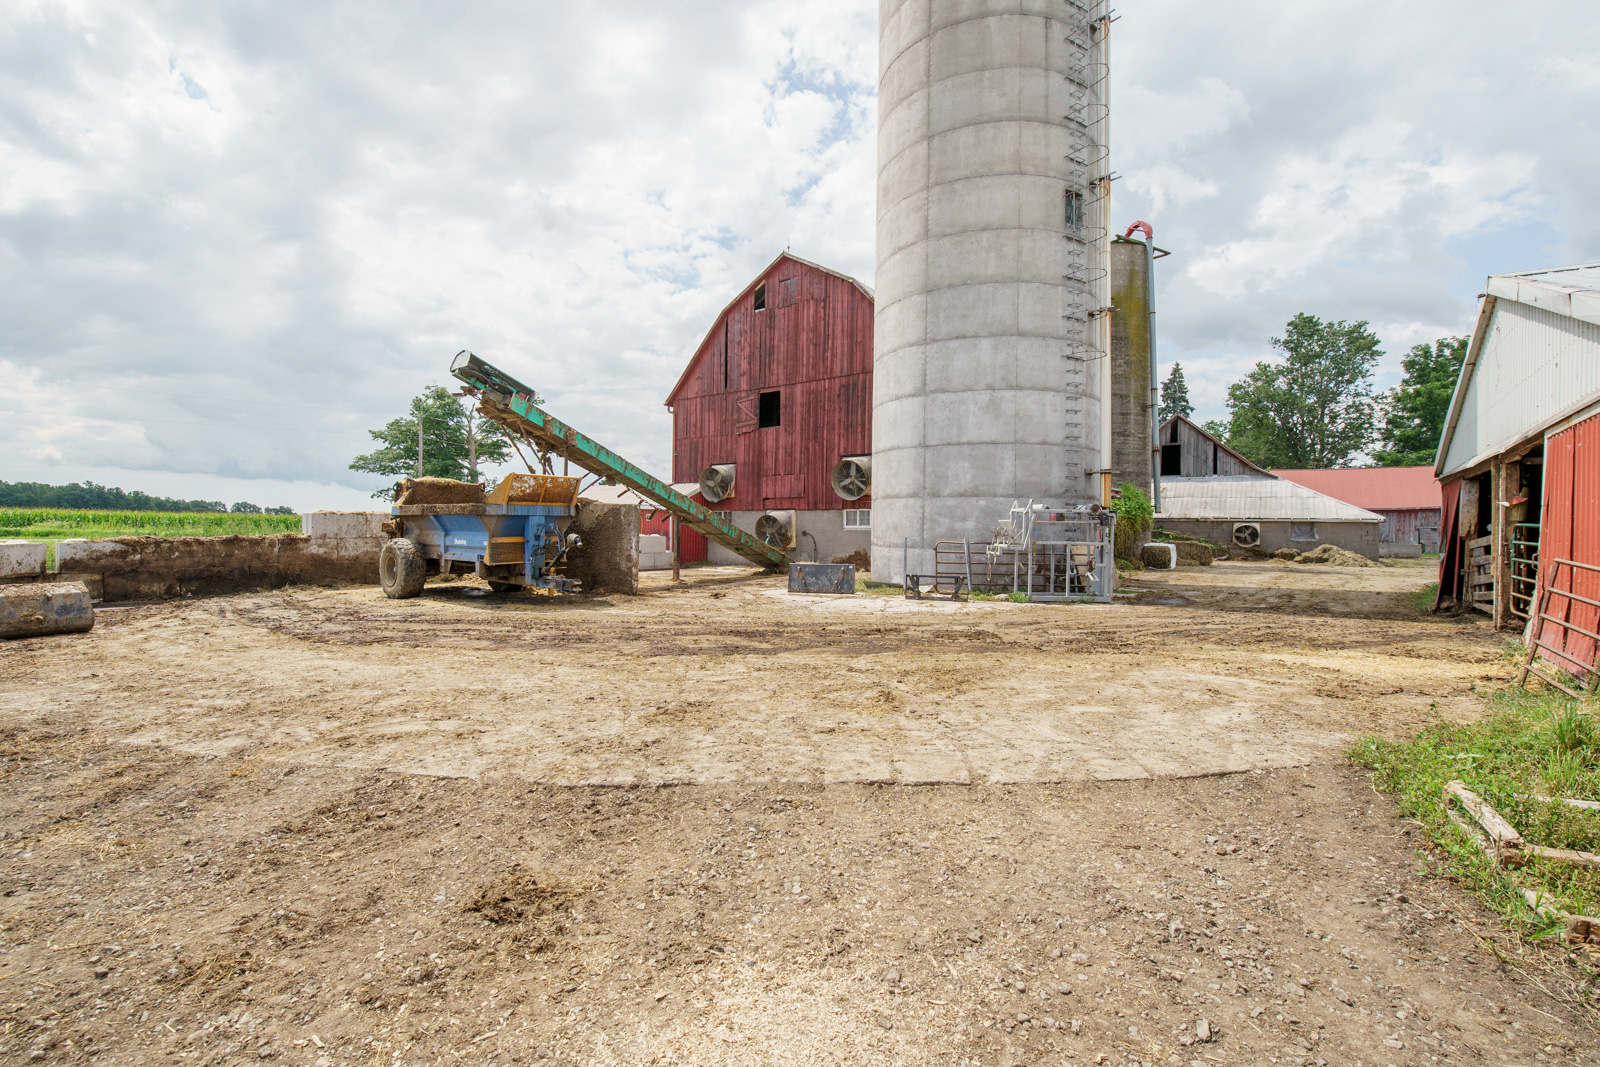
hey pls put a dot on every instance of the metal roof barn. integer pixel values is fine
(1242, 497)
(1517, 482)
(1534, 360)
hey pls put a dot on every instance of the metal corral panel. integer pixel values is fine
(812, 343)
(1243, 498)
(1571, 531)
(1534, 366)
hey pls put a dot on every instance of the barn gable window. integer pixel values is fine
(761, 297)
(771, 410)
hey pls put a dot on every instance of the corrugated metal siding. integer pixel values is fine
(812, 343)
(1571, 530)
(1243, 498)
(1534, 365)
(1373, 488)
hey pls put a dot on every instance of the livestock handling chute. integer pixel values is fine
(516, 408)
(512, 537)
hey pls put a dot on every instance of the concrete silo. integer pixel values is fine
(989, 382)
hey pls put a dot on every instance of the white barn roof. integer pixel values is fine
(1242, 498)
(1533, 362)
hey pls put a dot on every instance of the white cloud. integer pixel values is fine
(305, 209)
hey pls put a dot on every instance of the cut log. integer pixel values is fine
(1505, 837)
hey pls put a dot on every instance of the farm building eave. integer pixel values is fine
(717, 322)
(1197, 428)
(1570, 291)
(1373, 488)
(1246, 498)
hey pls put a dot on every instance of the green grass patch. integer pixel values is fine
(1423, 598)
(1530, 744)
(55, 524)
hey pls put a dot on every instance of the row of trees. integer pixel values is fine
(453, 442)
(1317, 407)
(88, 496)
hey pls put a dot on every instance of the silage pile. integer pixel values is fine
(1335, 556)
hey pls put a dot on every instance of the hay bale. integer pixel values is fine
(1194, 554)
(1335, 556)
(439, 491)
(1158, 557)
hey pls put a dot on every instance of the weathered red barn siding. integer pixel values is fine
(812, 343)
(1570, 530)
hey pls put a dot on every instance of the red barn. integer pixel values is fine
(1407, 498)
(773, 415)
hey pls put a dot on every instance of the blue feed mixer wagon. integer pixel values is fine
(514, 536)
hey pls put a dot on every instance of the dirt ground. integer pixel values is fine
(716, 824)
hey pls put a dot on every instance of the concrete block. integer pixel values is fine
(983, 96)
(905, 271)
(903, 76)
(904, 126)
(968, 470)
(973, 363)
(899, 374)
(42, 608)
(897, 424)
(979, 44)
(319, 525)
(22, 558)
(969, 418)
(972, 151)
(903, 222)
(987, 310)
(80, 554)
(899, 323)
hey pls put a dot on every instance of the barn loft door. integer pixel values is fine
(747, 412)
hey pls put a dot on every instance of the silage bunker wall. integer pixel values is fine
(336, 548)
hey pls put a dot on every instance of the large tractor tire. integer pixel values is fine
(402, 569)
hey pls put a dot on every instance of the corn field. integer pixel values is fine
(40, 524)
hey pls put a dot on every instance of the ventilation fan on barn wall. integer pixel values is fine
(852, 477)
(716, 482)
(776, 528)
(1246, 534)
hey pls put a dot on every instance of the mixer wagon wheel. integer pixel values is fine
(402, 569)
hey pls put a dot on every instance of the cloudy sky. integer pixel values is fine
(233, 236)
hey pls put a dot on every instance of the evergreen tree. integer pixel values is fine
(1175, 395)
(1415, 409)
(1315, 409)
(454, 441)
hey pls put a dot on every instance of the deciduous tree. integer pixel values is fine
(454, 442)
(1315, 407)
(1415, 409)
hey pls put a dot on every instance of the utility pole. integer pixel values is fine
(419, 440)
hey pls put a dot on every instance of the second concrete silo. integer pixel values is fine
(989, 378)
